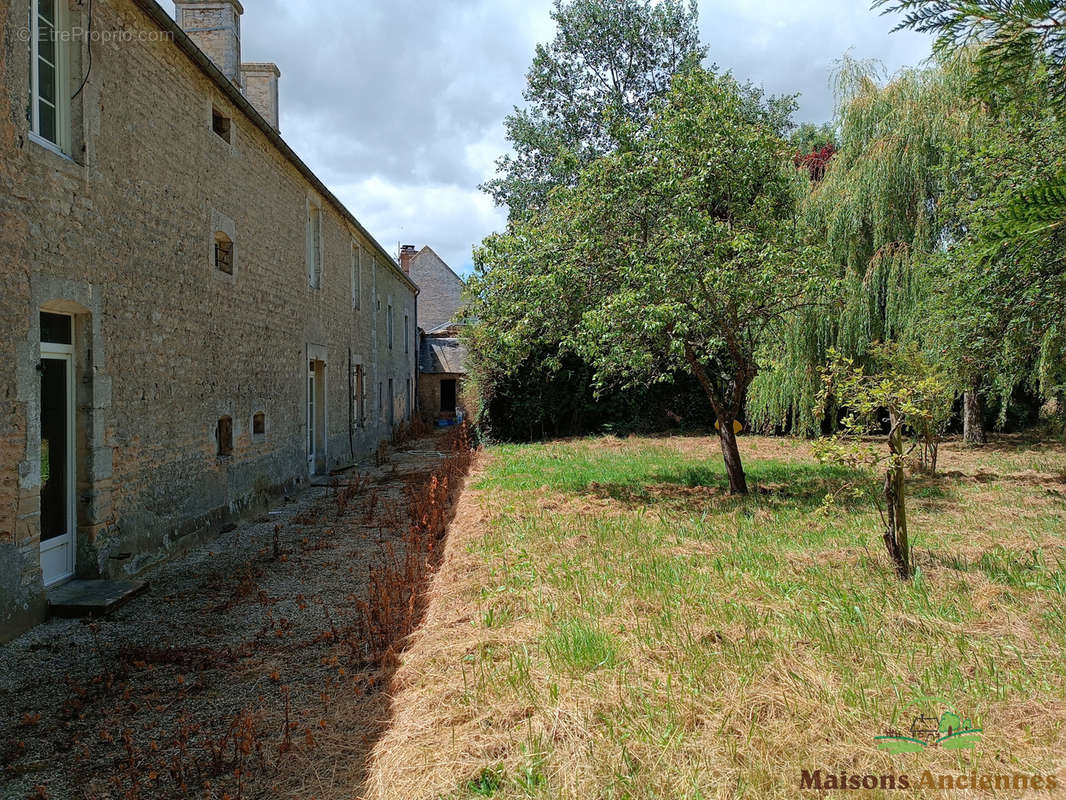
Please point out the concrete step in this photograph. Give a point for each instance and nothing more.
(81, 598)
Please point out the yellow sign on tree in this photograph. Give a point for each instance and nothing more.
(737, 427)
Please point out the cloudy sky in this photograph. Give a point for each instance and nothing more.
(398, 105)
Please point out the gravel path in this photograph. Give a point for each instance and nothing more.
(235, 675)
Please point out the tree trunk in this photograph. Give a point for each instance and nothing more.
(973, 422)
(738, 483)
(896, 540)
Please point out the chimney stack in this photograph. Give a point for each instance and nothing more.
(407, 255)
(215, 27)
(261, 88)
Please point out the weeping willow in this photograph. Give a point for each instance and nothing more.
(877, 219)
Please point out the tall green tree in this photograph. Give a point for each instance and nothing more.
(608, 64)
(1006, 270)
(589, 91)
(675, 253)
(911, 213)
(877, 217)
(1014, 43)
(996, 304)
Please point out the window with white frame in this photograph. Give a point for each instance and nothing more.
(49, 109)
(357, 275)
(314, 246)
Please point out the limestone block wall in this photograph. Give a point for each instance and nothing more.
(120, 234)
(441, 295)
(429, 392)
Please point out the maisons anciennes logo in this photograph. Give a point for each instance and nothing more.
(946, 729)
(934, 723)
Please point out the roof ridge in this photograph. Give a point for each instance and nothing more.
(441, 260)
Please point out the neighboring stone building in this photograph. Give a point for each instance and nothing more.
(442, 356)
(189, 320)
(441, 370)
(440, 296)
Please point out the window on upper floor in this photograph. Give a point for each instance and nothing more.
(221, 124)
(224, 437)
(49, 102)
(406, 333)
(388, 325)
(314, 246)
(357, 275)
(223, 253)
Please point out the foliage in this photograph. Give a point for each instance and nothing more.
(910, 213)
(815, 161)
(1015, 39)
(905, 383)
(875, 216)
(908, 394)
(609, 63)
(532, 401)
(675, 254)
(919, 195)
(995, 306)
(1015, 43)
(808, 137)
(590, 92)
(814, 145)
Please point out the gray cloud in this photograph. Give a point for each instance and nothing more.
(398, 106)
(791, 47)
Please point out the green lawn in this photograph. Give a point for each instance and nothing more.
(611, 624)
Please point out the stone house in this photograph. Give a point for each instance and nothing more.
(190, 321)
(442, 355)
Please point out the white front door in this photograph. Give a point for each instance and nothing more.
(58, 520)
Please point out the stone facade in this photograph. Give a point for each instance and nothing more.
(441, 370)
(118, 229)
(442, 357)
(440, 289)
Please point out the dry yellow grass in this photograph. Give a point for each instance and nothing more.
(606, 626)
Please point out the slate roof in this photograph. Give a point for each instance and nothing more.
(442, 355)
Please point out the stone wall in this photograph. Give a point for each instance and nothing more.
(120, 233)
(429, 393)
(441, 290)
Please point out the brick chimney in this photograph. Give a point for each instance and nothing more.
(261, 88)
(215, 27)
(407, 255)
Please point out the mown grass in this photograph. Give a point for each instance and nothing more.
(614, 625)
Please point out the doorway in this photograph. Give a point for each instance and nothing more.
(58, 521)
(447, 396)
(316, 416)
